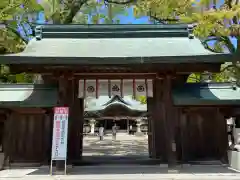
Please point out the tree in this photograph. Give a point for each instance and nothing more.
(82, 12)
(14, 15)
(162, 11)
(219, 25)
(213, 23)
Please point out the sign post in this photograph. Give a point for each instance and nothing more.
(59, 140)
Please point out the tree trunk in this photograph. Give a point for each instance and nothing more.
(74, 8)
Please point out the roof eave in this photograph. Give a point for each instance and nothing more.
(104, 107)
(35, 99)
(207, 103)
(189, 95)
(209, 58)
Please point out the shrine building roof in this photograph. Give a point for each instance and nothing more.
(28, 95)
(117, 101)
(116, 106)
(114, 44)
(206, 94)
(191, 94)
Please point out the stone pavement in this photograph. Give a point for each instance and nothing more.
(125, 145)
(126, 172)
(129, 147)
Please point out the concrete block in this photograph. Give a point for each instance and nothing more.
(234, 159)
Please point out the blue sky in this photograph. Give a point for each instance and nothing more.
(130, 19)
(123, 19)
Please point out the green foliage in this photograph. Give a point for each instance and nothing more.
(211, 21)
(216, 77)
(220, 24)
(10, 9)
(142, 99)
(91, 12)
(162, 9)
(215, 22)
(13, 14)
(194, 78)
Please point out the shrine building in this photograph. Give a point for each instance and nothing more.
(122, 111)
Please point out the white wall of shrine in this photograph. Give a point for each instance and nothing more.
(121, 87)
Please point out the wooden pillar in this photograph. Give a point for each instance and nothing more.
(81, 123)
(48, 131)
(158, 116)
(64, 99)
(63, 91)
(222, 137)
(151, 144)
(165, 120)
(170, 120)
(76, 110)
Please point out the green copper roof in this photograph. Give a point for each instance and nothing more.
(206, 94)
(27, 95)
(116, 101)
(117, 98)
(111, 44)
(195, 94)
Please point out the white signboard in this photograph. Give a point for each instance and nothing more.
(60, 132)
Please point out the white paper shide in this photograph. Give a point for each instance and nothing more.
(113, 87)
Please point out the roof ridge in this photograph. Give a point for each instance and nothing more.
(112, 31)
(114, 99)
(96, 27)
